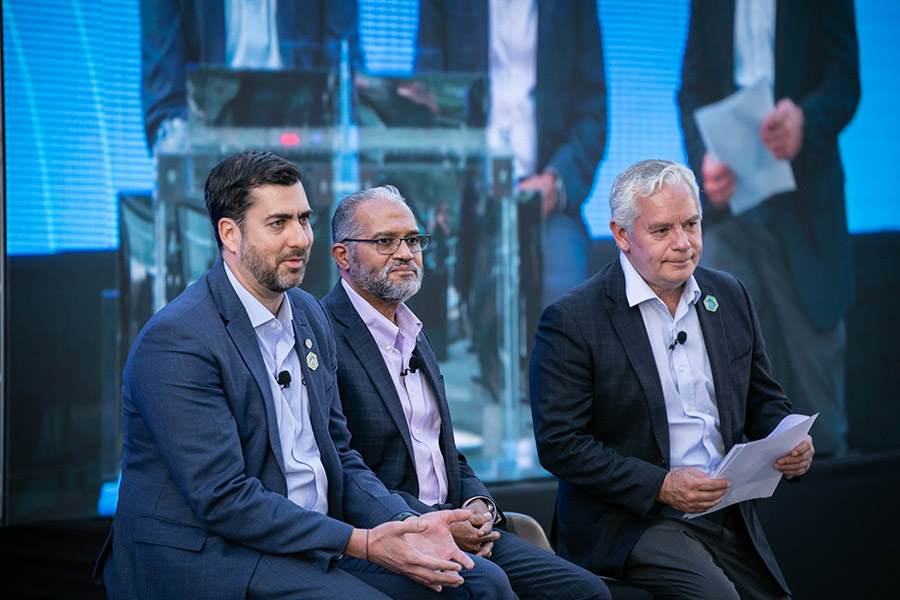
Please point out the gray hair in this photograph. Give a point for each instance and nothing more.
(642, 180)
(343, 224)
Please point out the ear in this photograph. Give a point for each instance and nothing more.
(620, 235)
(341, 255)
(230, 234)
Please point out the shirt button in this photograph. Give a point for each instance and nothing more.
(389, 347)
(681, 368)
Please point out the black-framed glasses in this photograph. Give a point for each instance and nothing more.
(389, 245)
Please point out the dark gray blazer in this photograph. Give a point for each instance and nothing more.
(600, 416)
(203, 490)
(375, 416)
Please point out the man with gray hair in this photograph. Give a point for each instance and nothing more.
(394, 398)
(642, 379)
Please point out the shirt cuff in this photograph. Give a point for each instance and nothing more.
(561, 198)
(490, 504)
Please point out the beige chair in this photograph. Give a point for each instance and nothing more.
(527, 528)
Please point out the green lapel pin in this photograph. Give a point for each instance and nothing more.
(711, 304)
(312, 361)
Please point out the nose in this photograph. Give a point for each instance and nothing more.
(403, 252)
(300, 236)
(682, 240)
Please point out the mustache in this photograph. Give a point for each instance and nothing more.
(293, 256)
(404, 263)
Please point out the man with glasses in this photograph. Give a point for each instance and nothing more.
(393, 393)
(237, 477)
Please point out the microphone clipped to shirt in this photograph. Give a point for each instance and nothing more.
(284, 379)
(681, 338)
(414, 364)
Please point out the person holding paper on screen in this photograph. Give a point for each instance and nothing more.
(793, 244)
(642, 379)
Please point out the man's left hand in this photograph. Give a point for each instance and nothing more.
(782, 130)
(544, 183)
(798, 461)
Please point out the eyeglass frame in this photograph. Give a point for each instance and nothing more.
(421, 238)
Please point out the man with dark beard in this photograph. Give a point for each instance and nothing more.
(394, 399)
(237, 477)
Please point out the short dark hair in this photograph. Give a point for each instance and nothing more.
(228, 187)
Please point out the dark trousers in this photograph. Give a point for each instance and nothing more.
(699, 559)
(283, 577)
(808, 362)
(538, 574)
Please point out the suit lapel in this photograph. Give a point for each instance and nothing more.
(629, 326)
(239, 329)
(318, 405)
(363, 345)
(713, 329)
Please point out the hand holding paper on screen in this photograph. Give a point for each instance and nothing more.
(730, 129)
(749, 467)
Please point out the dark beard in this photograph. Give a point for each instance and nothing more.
(271, 277)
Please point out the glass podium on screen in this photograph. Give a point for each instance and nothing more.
(426, 136)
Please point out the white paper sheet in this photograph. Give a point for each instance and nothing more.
(730, 128)
(749, 466)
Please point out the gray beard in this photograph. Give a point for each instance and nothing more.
(378, 284)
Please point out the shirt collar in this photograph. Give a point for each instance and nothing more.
(637, 290)
(384, 331)
(259, 314)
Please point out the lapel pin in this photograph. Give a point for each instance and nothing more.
(308, 343)
(312, 361)
(711, 304)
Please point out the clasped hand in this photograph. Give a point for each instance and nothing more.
(421, 548)
(476, 536)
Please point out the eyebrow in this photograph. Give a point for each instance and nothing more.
(305, 213)
(669, 224)
(409, 232)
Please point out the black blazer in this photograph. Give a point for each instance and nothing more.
(600, 416)
(816, 66)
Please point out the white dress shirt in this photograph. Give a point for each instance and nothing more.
(419, 405)
(512, 67)
(307, 483)
(754, 42)
(251, 34)
(695, 434)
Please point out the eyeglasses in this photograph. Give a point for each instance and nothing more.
(389, 245)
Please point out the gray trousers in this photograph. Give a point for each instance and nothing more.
(700, 559)
(808, 362)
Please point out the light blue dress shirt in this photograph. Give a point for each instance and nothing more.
(307, 483)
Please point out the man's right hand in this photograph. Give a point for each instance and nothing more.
(420, 548)
(476, 536)
(719, 182)
(691, 490)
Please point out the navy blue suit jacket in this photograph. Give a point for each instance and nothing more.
(570, 92)
(176, 34)
(375, 416)
(816, 66)
(600, 415)
(203, 490)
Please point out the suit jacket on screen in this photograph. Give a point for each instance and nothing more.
(816, 66)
